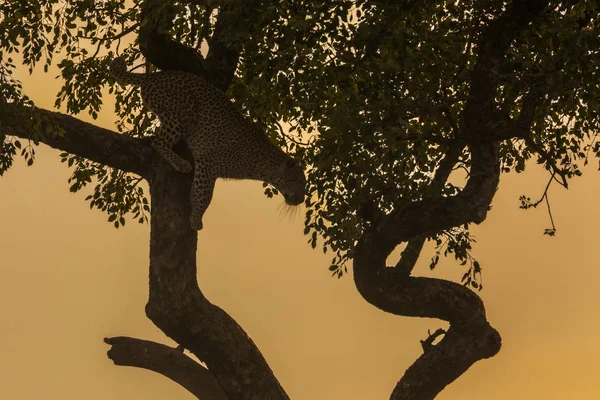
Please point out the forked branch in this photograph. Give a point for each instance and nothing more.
(166, 361)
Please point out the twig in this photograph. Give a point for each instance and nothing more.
(545, 194)
(544, 154)
(291, 139)
(427, 344)
(550, 213)
(587, 153)
(106, 38)
(525, 203)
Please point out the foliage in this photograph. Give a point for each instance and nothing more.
(372, 93)
(386, 84)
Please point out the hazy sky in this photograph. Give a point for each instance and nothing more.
(69, 279)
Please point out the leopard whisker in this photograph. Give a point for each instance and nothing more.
(287, 211)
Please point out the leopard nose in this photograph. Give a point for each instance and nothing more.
(295, 199)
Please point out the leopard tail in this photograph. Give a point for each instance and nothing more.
(118, 69)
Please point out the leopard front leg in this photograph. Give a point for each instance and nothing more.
(163, 144)
(200, 195)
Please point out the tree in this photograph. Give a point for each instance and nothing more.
(401, 94)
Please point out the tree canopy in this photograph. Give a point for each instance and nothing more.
(388, 104)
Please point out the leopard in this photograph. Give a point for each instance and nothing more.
(223, 142)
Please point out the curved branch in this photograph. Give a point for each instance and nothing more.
(426, 297)
(470, 337)
(166, 361)
(87, 140)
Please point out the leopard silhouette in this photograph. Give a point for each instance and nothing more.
(223, 143)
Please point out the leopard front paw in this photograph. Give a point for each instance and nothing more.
(196, 223)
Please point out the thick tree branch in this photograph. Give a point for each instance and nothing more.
(157, 46)
(161, 50)
(89, 141)
(178, 307)
(222, 58)
(166, 361)
(176, 304)
(470, 337)
(481, 117)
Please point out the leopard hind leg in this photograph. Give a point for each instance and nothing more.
(170, 133)
(201, 193)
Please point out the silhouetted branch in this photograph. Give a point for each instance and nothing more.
(223, 57)
(166, 361)
(549, 160)
(470, 337)
(159, 48)
(89, 141)
(427, 344)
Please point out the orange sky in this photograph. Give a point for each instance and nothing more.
(69, 279)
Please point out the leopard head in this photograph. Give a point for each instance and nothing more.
(291, 182)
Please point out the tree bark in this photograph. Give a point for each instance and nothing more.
(167, 361)
(177, 306)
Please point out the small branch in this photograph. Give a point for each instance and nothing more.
(550, 214)
(452, 121)
(111, 38)
(429, 138)
(168, 362)
(427, 344)
(137, 181)
(525, 203)
(545, 194)
(549, 161)
(587, 153)
(285, 135)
